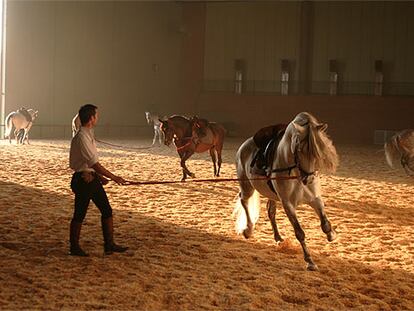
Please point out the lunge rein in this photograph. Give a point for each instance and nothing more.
(213, 180)
(119, 146)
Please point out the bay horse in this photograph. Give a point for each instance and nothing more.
(153, 119)
(401, 148)
(22, 121)
(194, 136)
(304, 149)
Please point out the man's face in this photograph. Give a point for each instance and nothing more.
(94, 119)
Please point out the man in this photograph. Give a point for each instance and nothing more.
(87, 183)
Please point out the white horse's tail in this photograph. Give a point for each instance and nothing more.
(392, 152)
(240, 215)
(8, 125)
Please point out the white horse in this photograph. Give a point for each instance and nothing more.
(22, 120)
(303, 150)
(76, 125)
(154, 120)
(401, 148)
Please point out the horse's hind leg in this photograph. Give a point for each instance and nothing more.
(319, 208)
(271, 212)
(219, 161)
(299, 233)
(246, 192)
(16, 136)
(214, 159)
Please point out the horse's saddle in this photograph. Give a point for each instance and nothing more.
(206, 137)
(201, 131)
(267, 139)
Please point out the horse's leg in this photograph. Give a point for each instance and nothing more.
(155, 137)
(219, 148)
(319, 208)
(271, 212)
(27, 137)
(214, 159)
(184, 157)
(160, 136)
(16, 136)
(299, 233)
(246, 191)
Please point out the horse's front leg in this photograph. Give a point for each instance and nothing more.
(290, 210)
(184, 157)
(319, 208)
(160, 136)
(155, 137)
(214, 159)
(271, 212)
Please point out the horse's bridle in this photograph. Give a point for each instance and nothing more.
(303, 173)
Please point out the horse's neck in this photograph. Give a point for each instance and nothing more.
(284, 156)
(183, 131)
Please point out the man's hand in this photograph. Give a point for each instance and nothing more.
(103, 179)
(119, 180)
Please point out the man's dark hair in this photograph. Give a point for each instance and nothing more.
(86, 112)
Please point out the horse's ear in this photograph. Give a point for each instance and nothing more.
(322, 127)
(301, 129)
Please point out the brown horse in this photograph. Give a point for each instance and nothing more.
(194, 135)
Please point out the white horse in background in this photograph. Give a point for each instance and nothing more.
(154, 120)
(22, 121)
(303, 150)
(76, 125)
(401, 148)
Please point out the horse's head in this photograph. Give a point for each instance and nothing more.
(33, 113)
(311, 146)
(168, 131)
(148, 117)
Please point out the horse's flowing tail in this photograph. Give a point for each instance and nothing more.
(8, 125)
(240, 214)
(392, 152)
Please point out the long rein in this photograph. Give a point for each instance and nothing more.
(212, 180)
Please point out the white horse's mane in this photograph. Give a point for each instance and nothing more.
(316, 143)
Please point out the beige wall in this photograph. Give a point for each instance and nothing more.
(61, 55)
(261, 33)
(357, 34)
(353, 33)
(351, 119)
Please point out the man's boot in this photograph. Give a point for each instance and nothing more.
(75, 229)
(108, 234)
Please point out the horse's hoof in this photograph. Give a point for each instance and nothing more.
(247, 233)
(278, 238)
(312, 267)
(192, 175)
(331, 235)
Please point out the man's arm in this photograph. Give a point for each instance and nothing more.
(103, 171)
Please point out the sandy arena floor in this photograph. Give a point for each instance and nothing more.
(184, 253)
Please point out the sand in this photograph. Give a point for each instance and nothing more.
(184, 253)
